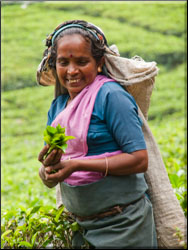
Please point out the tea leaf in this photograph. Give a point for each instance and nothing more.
(47, 139)
(33, 239)
(25, 243)
(60, 129)
(56, 138)
(35, 209)
(50, 130)
(64, 147)
(59, 213)
(75, 226)
(6, 233)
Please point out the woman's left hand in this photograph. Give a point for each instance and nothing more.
(52, 159)
(64, 170)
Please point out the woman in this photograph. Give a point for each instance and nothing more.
(101, 175)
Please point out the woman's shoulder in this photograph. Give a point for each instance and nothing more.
(57, 105)
(113, 88)
(59, 101)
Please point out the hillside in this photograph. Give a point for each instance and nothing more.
(154, 31)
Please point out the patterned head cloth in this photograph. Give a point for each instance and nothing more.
(91, 28)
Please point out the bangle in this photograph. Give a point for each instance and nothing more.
(106, 161)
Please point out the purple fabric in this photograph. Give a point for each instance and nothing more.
(76, 119)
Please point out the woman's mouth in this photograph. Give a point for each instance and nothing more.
(73, 80)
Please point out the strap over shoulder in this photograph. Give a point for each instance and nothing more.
(136, 75)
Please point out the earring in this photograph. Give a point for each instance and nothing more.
(99, 69)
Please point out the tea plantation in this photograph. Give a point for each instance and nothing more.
(153, 30)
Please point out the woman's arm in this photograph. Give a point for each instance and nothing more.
(121, 164)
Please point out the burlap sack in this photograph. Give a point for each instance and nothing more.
(168, 213)
(136, 75)
(138, 78)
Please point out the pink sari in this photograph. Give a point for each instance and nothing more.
(76, 119)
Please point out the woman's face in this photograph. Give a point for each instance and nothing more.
(75, 66)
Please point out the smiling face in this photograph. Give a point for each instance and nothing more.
(75, 66)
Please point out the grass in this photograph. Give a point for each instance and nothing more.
(23, 41)
(169, 94)
(22, 139)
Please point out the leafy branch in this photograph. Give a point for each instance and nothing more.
(56, 138)
(39, 227)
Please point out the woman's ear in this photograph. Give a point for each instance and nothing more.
(101, 62)
(100, 65)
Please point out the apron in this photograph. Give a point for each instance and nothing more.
(134, 227)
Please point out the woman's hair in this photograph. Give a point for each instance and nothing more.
(97, 47)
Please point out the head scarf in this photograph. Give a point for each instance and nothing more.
(45, 73)
(136, 75)
(89, 27)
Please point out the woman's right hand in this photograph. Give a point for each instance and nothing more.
(52, 159)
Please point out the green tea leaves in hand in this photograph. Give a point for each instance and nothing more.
(56, 138)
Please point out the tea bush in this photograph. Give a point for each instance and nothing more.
(38, 227)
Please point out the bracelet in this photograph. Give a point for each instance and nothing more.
(106, 161)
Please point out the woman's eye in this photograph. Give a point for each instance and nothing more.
(63, 63)
(82, 62)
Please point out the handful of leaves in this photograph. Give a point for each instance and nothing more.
(56, 138)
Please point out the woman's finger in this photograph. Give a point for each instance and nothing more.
(58, 155)
(54, 158)
(50, 158)
(54, 177)
(43, 152)
(50, 169)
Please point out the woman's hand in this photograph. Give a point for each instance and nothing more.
(52, 159)
(42, 175)
(64, 169)
(121, 164)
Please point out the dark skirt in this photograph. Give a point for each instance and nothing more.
(133, 228)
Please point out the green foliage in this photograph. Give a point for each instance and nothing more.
(182, 242)
(24, 116)
(154, 31)
(38, 227)
(170, 136)
(56, 138)
(169, 94)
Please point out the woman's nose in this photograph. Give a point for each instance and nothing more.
(72, 69)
